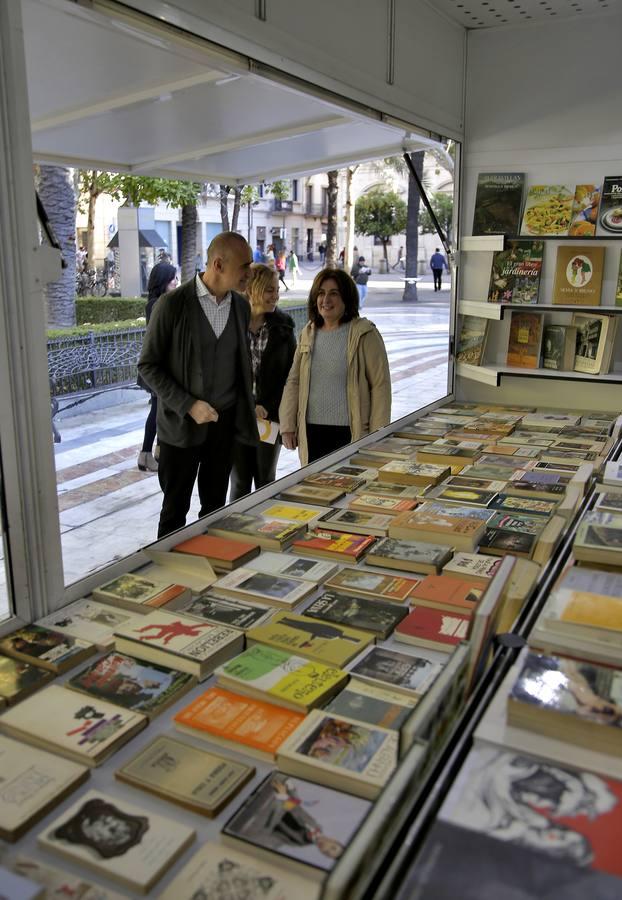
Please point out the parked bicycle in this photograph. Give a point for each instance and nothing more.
(91, 283)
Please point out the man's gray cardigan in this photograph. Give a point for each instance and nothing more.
(170, 364)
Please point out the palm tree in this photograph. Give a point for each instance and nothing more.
(331, 226)
(57, 192)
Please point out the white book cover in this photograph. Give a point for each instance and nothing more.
(59, 884)
(89, 620)
(179, 635)
(191, 571)
(272, 589)
(117, 839)
(291, 566)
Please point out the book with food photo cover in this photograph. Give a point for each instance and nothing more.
(33, 783)
(610, 209)
(531, 506)
(127, 682)
(19, 679)
(436, 629)
(198, 780)
(374, 585)
(448, 592)
(516, 271)
(270, 534)
(472, 340)
(568, 699)
(181, 642)
(559, 345)
(340, 752)
(72, 725)
(525, 340)
(584, 210)
(291, 512)
(472, 567)
(498, 202)
(140, 595)
(290, 566)
(337, 545)
(118, 840)
(372, 502)
(273, 590)
(404, 472)
(223, 554)
(578, 275)
(517, 798)
(548, 210)
(499, 542)
(57, 883)
(410, 556)
(87, 620)
(352, 520)
(51, 650)
(281, 677)
(462, 495)
(238, 722)
(400, 671)
(376, 616)
(326, 642)
(372, 703)
(346, 483)
(221, 873)
(295, 823)
(592, 332)
(220, 611)
(311, 493)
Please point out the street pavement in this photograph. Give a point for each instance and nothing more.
(109, 509)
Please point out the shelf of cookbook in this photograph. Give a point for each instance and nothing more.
(496, 311)
(492, 375)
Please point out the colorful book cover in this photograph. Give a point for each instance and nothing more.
(367, 702)
(516, 522)
(44, 647)
(433, 626)
(525, 340)
(372, 584)
(472, 340)
(244, 721)
(326, 642)
(128, 682)
(578, 275)
(401, 671)
(268, 532)
(374, 503)
(498, 202)
(178, 635)
(136, 593)
(338, 544)
(377, 616)
(346, 483)
(610, 211)
(18, 679)
(516, 271)
(584, 210)
(447, 589)
(548, 210)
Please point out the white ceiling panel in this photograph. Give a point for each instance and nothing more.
(495, 13)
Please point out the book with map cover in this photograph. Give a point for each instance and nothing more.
(516, 271)
(498, 202)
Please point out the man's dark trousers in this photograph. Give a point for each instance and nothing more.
(437, 278)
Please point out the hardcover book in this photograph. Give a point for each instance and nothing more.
(290, 566)
(140, 595)
(447, 592)
(592, 334)
(409, 556)
(334, 545)
(270, 534)
(180, 641)
(578, 275)
(221, 873)
(340, 752)
(359, 522)
(498, 202)
(371, 703)
(373, 585)
(87, 620)
(516, 271)
(142, 687)
(401, 671)
(548, 210)
(199, 781)
(19, 679)
(57, 883)
(33, 783)
(323, 641)
(525, 340)
(278, 676)
(67, 723)
(226, 612)
(222, 553)
(584, 210)
(296, 823)
(238, 722)
(117, 839)
(433, 628)
(559, 345)
(51, 650)
(610, 210)
(472, 340)
(376, 616)
(274, 590)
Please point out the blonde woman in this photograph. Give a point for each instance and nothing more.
(272, 345)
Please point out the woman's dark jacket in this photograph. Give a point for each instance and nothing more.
(276, 361)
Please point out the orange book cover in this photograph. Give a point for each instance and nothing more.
(241, 720)
(216, 547)
(447, 589)
(165, 596)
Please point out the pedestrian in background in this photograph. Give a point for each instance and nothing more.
(400, 261)
(360, 272)
(272, 344)
(280, 263)
(292, 265)
(437, 263)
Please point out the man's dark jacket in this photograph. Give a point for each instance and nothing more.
(170, 364)
(276, 361)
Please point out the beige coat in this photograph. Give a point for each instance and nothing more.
(368, 387)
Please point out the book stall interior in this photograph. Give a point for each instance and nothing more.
(395, 673)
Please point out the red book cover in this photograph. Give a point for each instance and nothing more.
(351, 545)
(447, 590)
(435, 625)
(216, 547)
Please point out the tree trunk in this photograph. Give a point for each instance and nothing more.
(331, 227)
(223, 196)
(412, 228)
(90, 224)
(385, 250)
(189, 218)
(237, 195)
(348, 259)
(57, 194)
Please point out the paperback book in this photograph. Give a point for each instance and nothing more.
(345, 483)
(19, 679)
(372, 585)
(516, 272)
(198, 780)
(350, 520)
(57, 883)
(525, 340)
(420, 473)
(336, 545)
(409, 556)
(378, 503)
(51, 650)
(436, 629)
(401, 671)
(548, 210)
(376, 616)
(87, 620)
(297, 513)
(472, 567)
(222, 553)
(226, 612)
(500, 542)
(578, 275)
(559, 346)
(599, 538)
(592, 341)
(140, 595)
(325, 642)
(290, 566)
(442, 523)
(312, 493)
(462, 495)
(270, 534)
(447, 592)
(498, 202)
(274, 590)
(371, 703)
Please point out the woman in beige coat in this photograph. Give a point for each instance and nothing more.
(339, 386)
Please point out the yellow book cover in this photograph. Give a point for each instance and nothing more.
(324, 641)
(300, 514)
(596, 610)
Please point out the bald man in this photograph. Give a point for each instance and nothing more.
(195, 357)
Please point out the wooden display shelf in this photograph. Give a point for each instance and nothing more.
(496, 311)
(493, 374)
